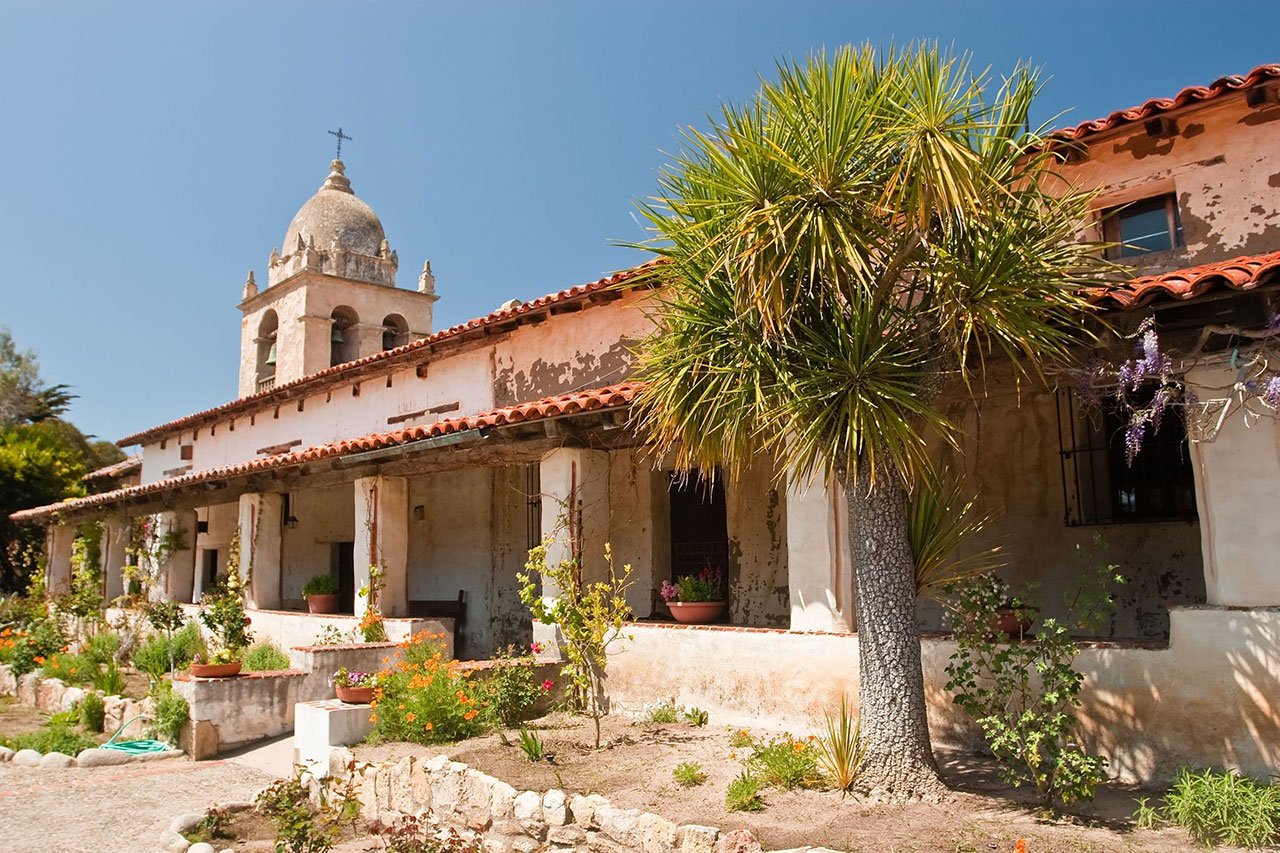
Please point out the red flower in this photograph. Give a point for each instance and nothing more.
(548, 684)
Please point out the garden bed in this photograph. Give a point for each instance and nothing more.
(634, 770)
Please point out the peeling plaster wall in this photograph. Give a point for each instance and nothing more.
(757, 522)
(640, 525)
(472, 537)
(1224, 166)
(1010, 459)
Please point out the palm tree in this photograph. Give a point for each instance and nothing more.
(868, 229)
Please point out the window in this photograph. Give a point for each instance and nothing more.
(1150, 225)
(1100, 487)
(395, 332)
(266, 342)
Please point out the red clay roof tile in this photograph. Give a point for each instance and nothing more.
(612, 396)
(1248, 272)
(1259, 76)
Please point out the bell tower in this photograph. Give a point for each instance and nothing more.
(331, 297)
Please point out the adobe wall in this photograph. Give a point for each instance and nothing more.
(1010, 457)
(1211, 698)
(1223, 165)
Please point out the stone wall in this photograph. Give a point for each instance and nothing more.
(52, 695)
(1210, 698)
(514, 821)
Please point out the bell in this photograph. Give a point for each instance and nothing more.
(336, 337)
(271, 354)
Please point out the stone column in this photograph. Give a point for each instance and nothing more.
(177, 567)
(575, 482)
(58, 542)
(819, 571)
(1236, 475)
(368, 338)
(115, 538)
(382, 538)
(259, 521)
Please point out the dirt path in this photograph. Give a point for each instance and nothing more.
(106, 809)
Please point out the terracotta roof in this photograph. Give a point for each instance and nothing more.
(1156, 106)
(125, 466)
(609, 397)
(502, 316)
(1248, 272)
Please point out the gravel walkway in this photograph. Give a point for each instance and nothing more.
(107, 809)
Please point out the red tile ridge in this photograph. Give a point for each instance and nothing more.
(607, 397)
(639, 275)
(1247, 272)
(1192, 94)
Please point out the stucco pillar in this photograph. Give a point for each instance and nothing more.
(177, 567)
(308, 347)
(382, 538)
(640, 525)
(1236, 475)
(259, 521)
(368, 338)
(58, 542)
(819, 570)
(575, 486)
(115, 538)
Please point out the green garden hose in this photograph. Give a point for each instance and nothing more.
(135, 747)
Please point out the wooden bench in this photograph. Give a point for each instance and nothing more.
(446, 608)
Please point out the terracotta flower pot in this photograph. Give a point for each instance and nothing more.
(355, 695)
(216, 670)
(322, 603)
(1007, 622)
(696, 612)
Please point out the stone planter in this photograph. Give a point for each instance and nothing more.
(326, 603)
(216, 670)
(355, 695)
(696, 612)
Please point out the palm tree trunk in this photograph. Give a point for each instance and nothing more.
(899, 762)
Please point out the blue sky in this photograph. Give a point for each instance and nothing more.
(152, 153)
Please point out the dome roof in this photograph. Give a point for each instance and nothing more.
(332, 213)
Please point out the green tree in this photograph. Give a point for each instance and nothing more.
(868, 229)
(42, 457)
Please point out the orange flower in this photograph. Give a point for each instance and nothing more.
(73, 670)
(401, 706)
(469, 715)
(386, 660)
(428, 727)
(373, 718)
(38, 659)
(1021, 846)
(410, 716)
(797, 747)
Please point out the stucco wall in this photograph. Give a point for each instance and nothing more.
(1223, 165)
(325, 516)
(1211, 698)
(1010, 459)
(757, 520)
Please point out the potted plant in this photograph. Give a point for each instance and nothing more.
(321, 593)
(696, 599)
(1010, 615)
(354, 688)
(220, 664)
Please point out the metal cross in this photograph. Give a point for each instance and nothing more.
(341, 136)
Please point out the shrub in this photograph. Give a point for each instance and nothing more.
(689, 774)
(510, 689)
(109, 681)
(72, 669)
(172, 713)
(744, 794)
(1223, 808)
(841, 748)
(1029, 722)
(56, 735)
(299, 826)
(696, 717)
(265, 656)
(532, 747)
(589, 617)
(410, 834)
(425, 699)
(215, 825)
(784, 762)
(41, 640)
(665, 711)
(325, 584)
(92, 712)
(153, 658)
(101, 648)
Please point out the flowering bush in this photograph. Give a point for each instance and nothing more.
(218, 658)
(510, 689)
(223, 614)
(26, 651)
(372, 627)
(346, 678)
(784, 762)
(707, 585)
(425, 699)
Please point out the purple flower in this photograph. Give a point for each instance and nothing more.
(1271, 391)
(669, 592)
(1133, 436)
